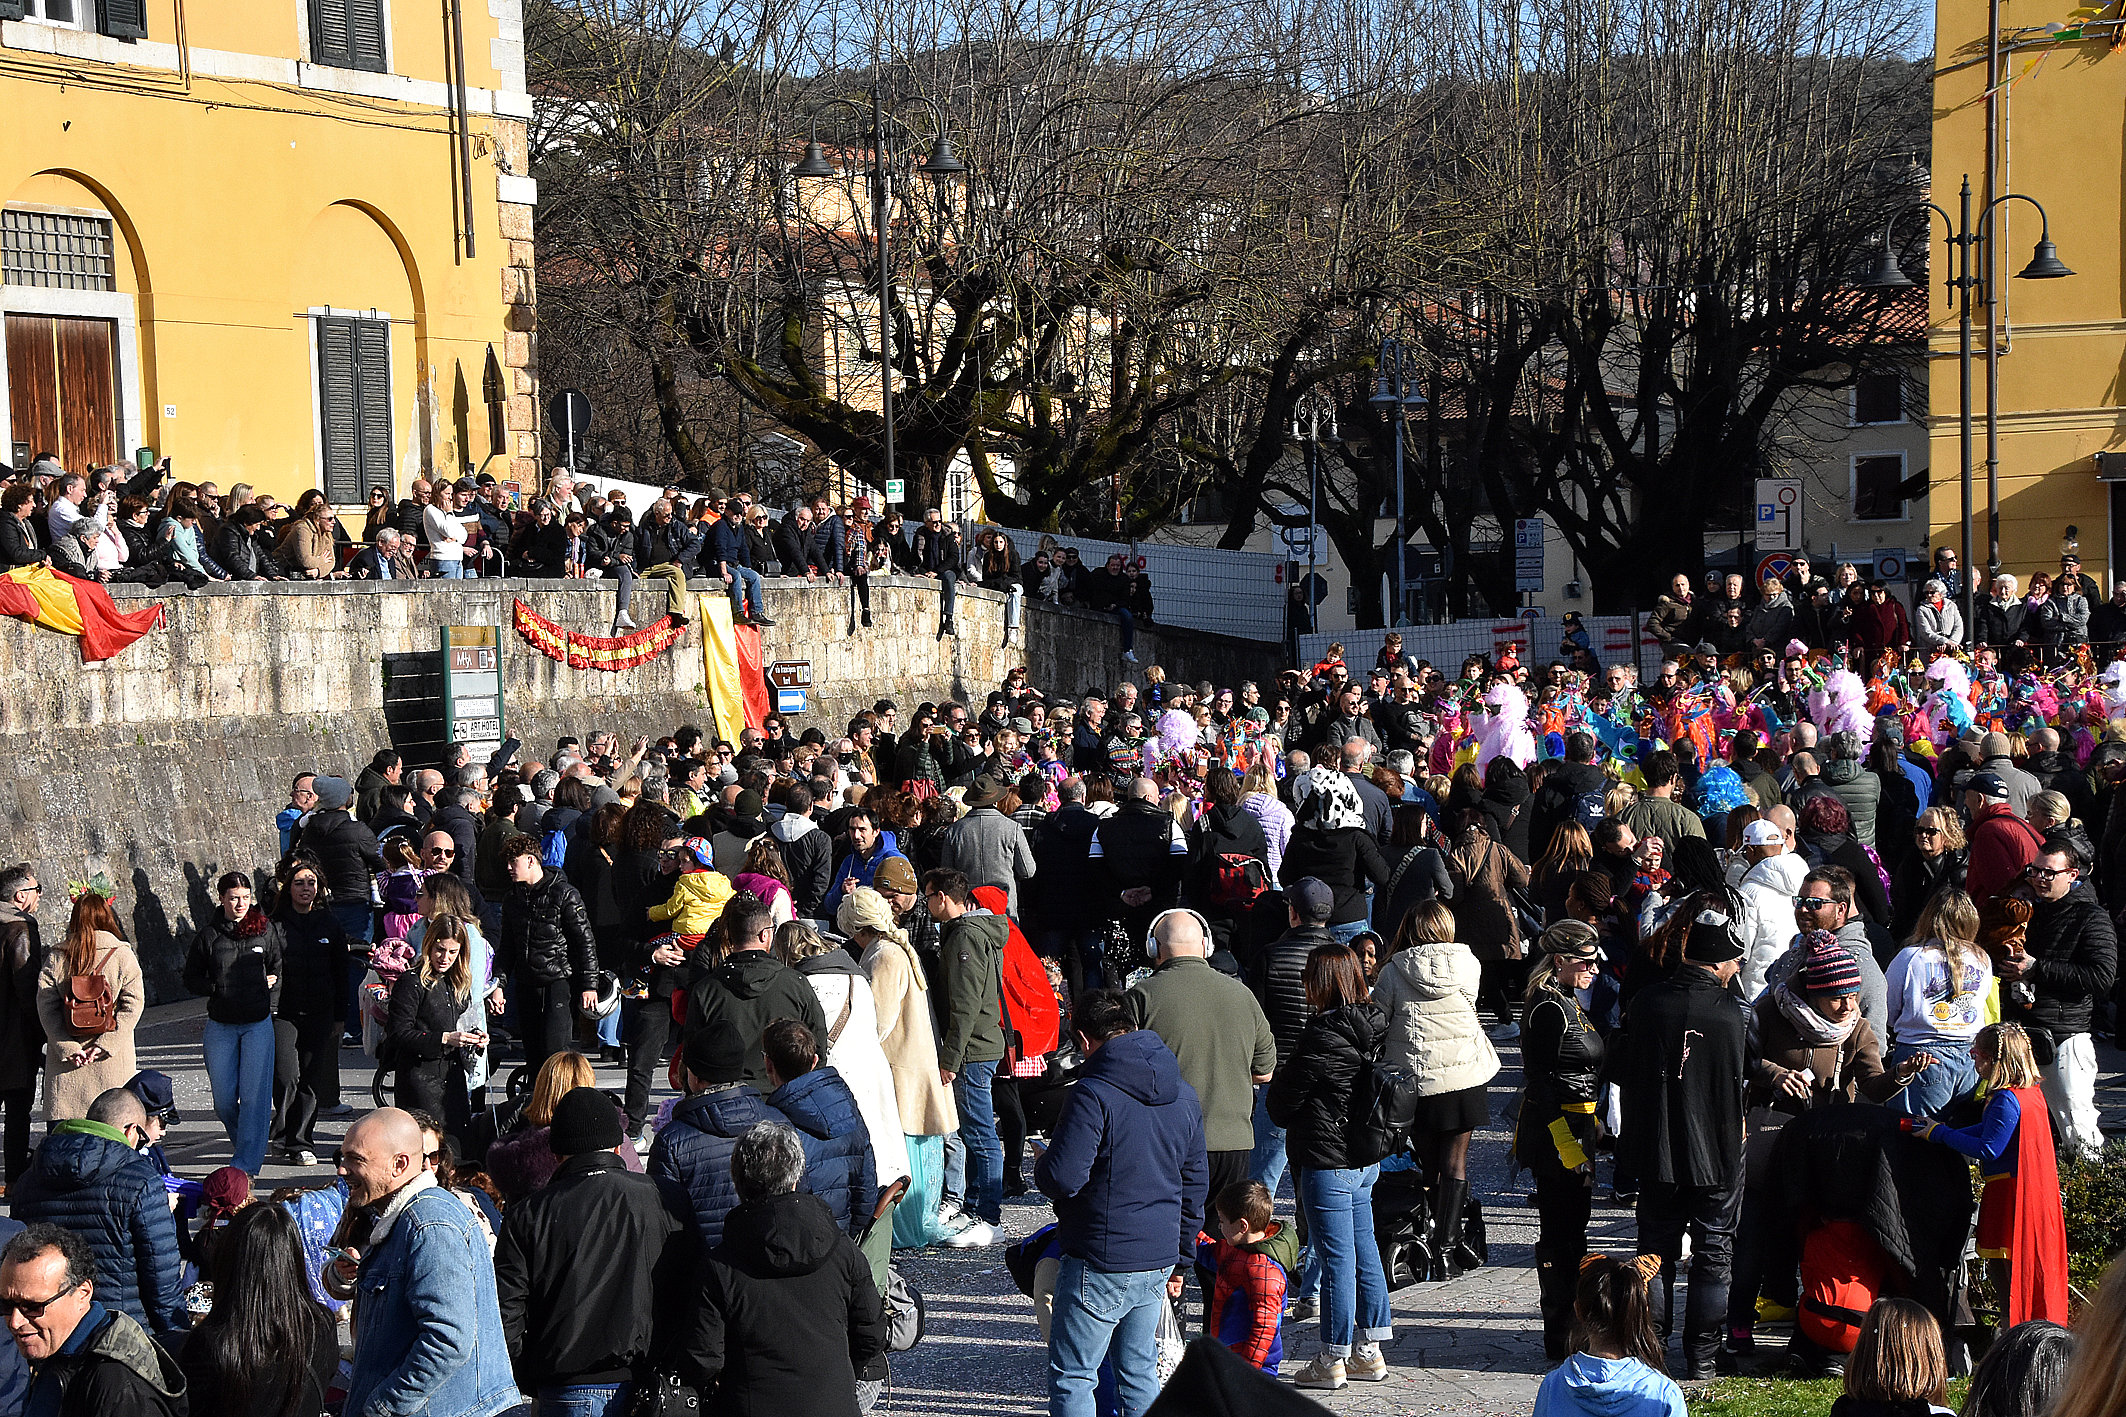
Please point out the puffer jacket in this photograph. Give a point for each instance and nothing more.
(546, 933)
(1914, 883)
(839, 1166)
(692, 1154)
(315, 981)
(86, 1177)
(230, 963)
(1310, 1097)
(1428, 993)
(346, 852)
(1278, 979)
(1860, 790)
(808, 855)
(1767, 919)
(2074, 953)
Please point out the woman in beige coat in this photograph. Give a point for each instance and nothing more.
(80, 1065)
(901, 996)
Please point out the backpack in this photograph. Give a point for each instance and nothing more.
(91, 1006)
(553, 849)
(905, 1312)
(1031, 1017)
(1383, 1109)
(1233, 883)
(1588, 809)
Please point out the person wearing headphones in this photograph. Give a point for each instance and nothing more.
(1217, 1032)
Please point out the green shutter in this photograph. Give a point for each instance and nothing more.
(372, 364)
(11, 9)
(328, 33)
(365, 34)
(122, 19)
(338, 410)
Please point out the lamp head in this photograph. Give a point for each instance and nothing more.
(814, 163)
(2045, 263)
(1885, 274)
(943, 161)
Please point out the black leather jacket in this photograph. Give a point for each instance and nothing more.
(546, 933)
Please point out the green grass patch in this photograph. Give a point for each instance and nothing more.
(1781, 1397)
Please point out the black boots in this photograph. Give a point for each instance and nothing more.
(1450, 1198)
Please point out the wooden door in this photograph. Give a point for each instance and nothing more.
(62, 388)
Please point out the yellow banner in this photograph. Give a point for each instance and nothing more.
(719, 664)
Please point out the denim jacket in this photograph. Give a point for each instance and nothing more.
(429, 1330)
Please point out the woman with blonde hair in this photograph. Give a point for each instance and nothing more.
(902, 1004)
(1938, 986)
(2022, 1233)
(82, 1062)
(1258, 797)
(851, 1045)
(430, 1052)
(524, 1160)
(1428, 991)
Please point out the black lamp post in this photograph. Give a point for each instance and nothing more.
(1396, 389)
(2045, 264)
(942, 163)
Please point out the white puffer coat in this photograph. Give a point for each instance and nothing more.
(1429, 995)
(1767, 921)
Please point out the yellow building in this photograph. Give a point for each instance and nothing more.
(285, 242)
(2056, 138)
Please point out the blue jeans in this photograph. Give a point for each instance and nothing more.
(745, 582)
(1267, 1164)
(1345, 934)
(1354, 1292)
(1952, 1075)
(1096, 1315)
(584, 1401)
(450, 570)
(240, 1068)
(972, 1090)
(1129, 628)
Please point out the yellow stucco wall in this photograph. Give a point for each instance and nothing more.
(2063, 365)
(247, 192)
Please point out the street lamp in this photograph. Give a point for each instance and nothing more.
(941, 163)
(2045, 264)
(1309, 431)
(1396, 388)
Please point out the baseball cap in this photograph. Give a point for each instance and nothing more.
(1312, 898)
(1762, 833)
(1987, 785)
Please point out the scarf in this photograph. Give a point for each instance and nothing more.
(1815, 1030)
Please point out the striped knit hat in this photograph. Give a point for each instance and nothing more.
(1830, 969)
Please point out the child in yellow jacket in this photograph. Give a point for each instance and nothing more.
(700, 895)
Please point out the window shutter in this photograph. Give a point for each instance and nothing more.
(365, 34)
(328, 33)
(372, 362)
(123, 19)
(11, 9)
(337, 410)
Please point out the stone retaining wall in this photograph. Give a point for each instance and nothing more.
(165, 765)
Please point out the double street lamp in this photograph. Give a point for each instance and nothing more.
(1963, 237)
(1395, 393)
(942, 163)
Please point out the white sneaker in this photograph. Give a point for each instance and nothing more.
(1367, 1364)
(1129, 656)
(624, 621)
(1324, 1372)
(974, 1235)
(306, 1157)
(950, 1215)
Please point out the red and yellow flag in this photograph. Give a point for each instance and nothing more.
(80, 608)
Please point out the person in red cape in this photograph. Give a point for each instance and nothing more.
(2022, 1233)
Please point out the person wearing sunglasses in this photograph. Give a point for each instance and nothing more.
(1827, 905)
(2068, 961)
(89, 1173)
(87, 1358)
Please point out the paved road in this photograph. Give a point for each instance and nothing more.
(1470, 1346)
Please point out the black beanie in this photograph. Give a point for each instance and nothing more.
(585, 1120)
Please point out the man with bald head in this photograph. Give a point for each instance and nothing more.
(428, 1328)
(1216, 1030)
(90, 1177)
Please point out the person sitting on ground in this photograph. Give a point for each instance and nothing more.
(1616, 1368)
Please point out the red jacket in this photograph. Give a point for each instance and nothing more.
(2002, 844)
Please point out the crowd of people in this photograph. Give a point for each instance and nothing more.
(116, 524)
(1783, 952)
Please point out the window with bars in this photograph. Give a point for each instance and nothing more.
(354, 405)
(56, 251)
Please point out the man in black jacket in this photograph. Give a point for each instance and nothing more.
(1682, 1086)
(346, 852)
(936, 552)
(1138, 856)
(2058, 772)
(1276, 975)
(2070, 959)
(731, 1005)
(660, 551)
(1571, 792)
(546, 945)
(1088, 746)
(1063, 901)
(590, 1267)
(793, 543)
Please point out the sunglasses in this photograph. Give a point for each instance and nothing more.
(1813, 902)
(442, 851)
(32, 1308)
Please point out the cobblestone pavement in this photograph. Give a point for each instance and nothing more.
(1470, 1346)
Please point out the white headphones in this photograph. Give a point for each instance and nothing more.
(1151, 935)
